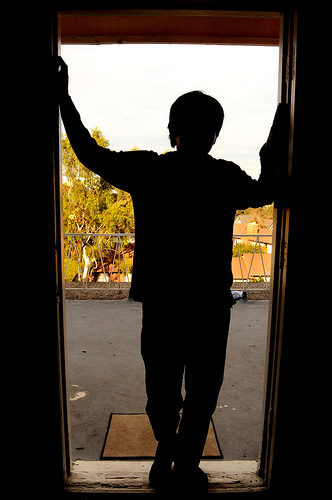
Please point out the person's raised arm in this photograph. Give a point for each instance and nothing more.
(273, 156)
(119, 169)
(62, 79)
(85, 147)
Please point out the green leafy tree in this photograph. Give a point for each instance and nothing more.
(91, 205)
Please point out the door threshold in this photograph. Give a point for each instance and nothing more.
(132, 476)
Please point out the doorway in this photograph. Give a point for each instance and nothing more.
(126, 91)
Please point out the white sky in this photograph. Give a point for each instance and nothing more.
(127, 91)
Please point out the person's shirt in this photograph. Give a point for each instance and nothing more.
(184, 210)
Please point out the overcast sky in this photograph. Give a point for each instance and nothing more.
(127, 91)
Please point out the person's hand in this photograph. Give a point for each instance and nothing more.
(62, 79)
(277, 141)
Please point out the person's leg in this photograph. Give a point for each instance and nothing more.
(205, 362)
(164, 366)
(162, 353)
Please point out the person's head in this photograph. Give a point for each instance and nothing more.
(195, 120)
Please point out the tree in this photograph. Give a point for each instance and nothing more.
(91, 205)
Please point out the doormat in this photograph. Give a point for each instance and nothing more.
(130, 436)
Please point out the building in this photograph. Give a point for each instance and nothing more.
(247, 218)
(250, 233)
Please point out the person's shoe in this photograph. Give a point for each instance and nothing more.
(160, 475)
(190, 480)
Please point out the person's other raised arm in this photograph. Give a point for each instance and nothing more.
(273, 155)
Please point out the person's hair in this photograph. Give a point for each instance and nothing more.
(194, 108)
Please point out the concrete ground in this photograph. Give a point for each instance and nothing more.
(106, 374)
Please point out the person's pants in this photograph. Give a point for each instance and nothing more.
(183, 339)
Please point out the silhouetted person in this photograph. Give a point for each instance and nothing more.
(182, 200)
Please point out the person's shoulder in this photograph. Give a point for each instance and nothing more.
(226, 165)
(168, 155)
(140, 153)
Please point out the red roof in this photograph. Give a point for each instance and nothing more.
(252, 262)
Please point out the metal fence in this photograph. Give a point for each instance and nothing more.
(86, 252)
